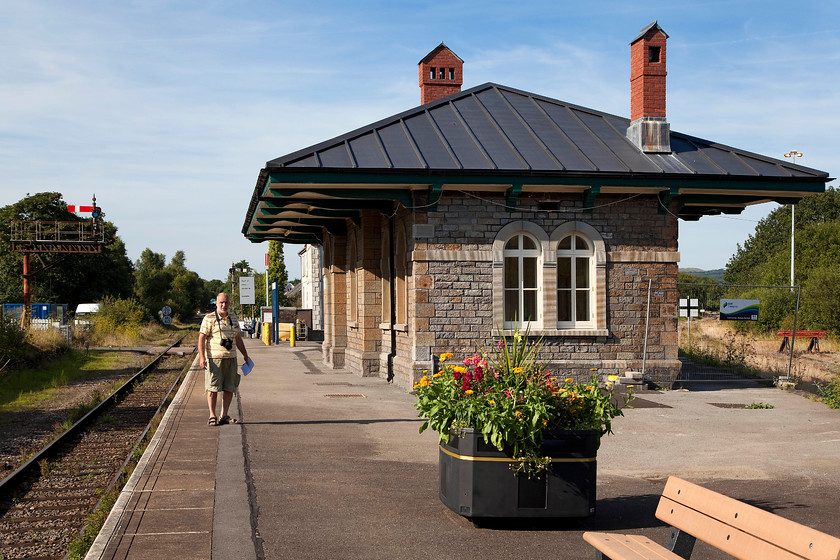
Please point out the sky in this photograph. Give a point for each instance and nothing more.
(167, 111)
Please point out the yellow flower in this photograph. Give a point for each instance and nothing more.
(569, 380)
(517, 370)
(469, 392)
(460, 369)
(518, 413)
(545, 422)
(445, 356)
(492, 402)
(593, 369)
(612, 378)
(424, 381)
(438, 374)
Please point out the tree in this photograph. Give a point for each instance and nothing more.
(764, 260)
(151, 280)
(277, 268)
(68, 278)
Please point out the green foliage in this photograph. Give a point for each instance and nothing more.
(19, 348)
(277, 268)
(511, 400)
(759, 405)
(820, 304)
(830, 392)
(70, 278)
(764, 259)
(158, 284)
(120, 317)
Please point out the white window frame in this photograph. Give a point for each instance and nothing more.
(575, 254)
(597, 321)
(540, 239)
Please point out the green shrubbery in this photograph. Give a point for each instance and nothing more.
(119, 317)
(19, 348)
(830, 392)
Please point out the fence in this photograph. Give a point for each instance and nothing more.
(726, 334)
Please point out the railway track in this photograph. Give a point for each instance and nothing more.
(44, 504)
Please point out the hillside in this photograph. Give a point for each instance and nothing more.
(716, 275)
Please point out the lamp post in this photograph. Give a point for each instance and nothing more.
(793, 154)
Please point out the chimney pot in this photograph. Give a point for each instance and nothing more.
(441, 74)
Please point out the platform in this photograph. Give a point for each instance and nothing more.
(327, 464)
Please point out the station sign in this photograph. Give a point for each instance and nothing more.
(246, 290)
(739, 309)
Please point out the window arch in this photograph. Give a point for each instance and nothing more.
(400, 273)
(575, 286)
(352, 272)
(518, 252)
(580, 289)
(521, 279)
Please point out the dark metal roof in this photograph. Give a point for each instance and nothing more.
(496, 128)
(492, 134)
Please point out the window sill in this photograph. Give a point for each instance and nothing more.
(399, 327)
(578, 333)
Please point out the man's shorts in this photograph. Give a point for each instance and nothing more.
(221, 375)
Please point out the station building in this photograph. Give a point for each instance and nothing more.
(493, 209)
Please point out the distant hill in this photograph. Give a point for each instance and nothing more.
(716, 275)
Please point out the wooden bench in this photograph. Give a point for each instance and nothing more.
(738, 529)
(815, 337)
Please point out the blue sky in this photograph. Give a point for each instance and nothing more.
(168, 110)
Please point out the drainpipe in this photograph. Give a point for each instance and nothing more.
(393, 295)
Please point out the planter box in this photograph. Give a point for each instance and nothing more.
(476, 480)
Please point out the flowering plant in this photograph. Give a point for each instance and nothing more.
(509, 397)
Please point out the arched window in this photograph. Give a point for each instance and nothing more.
(576, 284)
(352, 272)
(400, 273)
(521, 280)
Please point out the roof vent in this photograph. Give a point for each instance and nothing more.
(648, 128)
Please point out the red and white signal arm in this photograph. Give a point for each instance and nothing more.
(74, 208)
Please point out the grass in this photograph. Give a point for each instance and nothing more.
(25, 388)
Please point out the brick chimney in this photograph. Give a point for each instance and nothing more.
(648, 128)
(441, 74)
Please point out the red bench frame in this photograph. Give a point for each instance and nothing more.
(814, 346)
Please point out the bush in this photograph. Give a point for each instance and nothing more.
(20, 348)
(830, 392)
(120, 317)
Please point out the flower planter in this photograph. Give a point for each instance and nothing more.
(476, 480)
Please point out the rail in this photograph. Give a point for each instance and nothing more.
(47, 450)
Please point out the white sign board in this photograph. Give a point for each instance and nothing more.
(246, 290)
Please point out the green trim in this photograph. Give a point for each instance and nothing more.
(435, 193)
(512, 196)
(302, 180)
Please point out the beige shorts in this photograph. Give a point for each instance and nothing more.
(221, 375)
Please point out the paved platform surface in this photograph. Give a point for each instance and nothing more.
(326, 464)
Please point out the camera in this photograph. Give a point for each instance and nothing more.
(227, 343)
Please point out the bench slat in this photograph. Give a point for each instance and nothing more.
(682, 502)
(628, 547)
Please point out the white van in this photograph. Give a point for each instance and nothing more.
(83, 313)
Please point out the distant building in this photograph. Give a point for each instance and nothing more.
(312, 284)
(495, 208)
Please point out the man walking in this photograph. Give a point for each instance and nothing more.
(218, 339)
